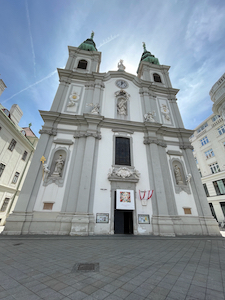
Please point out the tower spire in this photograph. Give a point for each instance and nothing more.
(89, 44)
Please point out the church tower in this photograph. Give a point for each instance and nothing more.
(113, 157)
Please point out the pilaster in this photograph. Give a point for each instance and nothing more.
(60, 96)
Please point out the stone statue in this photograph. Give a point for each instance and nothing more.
(95, 109)
(121, 67)
(45, 168)
(122, 107)
(58, 166)
(178, 176)
(149, 117)
(188, 178)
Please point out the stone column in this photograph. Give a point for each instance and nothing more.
(176, 113)
(71, 59)
(83, 220)
(161, 220)
(60, 96)
(196, 183)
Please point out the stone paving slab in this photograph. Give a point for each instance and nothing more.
(130, 267)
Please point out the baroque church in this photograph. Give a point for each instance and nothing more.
(113, 157)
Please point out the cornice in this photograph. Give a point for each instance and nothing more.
(149, 140)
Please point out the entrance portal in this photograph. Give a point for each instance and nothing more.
(123, 222)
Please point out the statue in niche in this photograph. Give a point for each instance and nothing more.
(122, 107)
(58, 166)
(178, 176)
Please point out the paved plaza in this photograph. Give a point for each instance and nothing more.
(122, 267)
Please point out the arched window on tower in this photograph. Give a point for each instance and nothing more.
(157, 78)
(82, 64)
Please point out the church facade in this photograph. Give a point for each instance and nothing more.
(113, 157)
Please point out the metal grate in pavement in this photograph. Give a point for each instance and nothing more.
(86, 267)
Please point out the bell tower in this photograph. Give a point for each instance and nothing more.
(85, 58)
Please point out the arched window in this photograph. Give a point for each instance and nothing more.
(157, 78)
(82, 64)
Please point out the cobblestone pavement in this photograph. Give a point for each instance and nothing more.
(134, 268)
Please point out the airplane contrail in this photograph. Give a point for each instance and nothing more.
(109, 39)
(31, 38)
(37, 82)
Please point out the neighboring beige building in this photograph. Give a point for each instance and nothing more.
(16, 150)
(208, 141)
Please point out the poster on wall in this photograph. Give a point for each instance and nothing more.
(143, 219)
(125, 199)
(102, 218)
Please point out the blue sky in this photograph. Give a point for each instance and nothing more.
(188, 35)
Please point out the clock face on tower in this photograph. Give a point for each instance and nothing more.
(121, 84)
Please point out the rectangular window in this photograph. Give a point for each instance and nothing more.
(209, 153)
(206, 189)
(219, 186)
(122, 151)
(204, 141)
(2, 167)
(221, 130)
(5, 204)
(24, 155)
(222, 204)
(200, 173)
(214, 168)
(202, 127)
(12, 145)
(215, 118)
(212, 210)
(196, 160)
(15, 178)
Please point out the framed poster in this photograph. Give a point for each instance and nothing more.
(143, 219)
(125, 199)
(102, 218)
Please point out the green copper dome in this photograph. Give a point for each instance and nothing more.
(147, 56)
(89, 44)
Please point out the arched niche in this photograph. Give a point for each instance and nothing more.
(179, 176)
(57, 166)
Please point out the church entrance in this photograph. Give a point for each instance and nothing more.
(123, 220)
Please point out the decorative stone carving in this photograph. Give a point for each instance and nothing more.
(149, 117)
(121, 67)
(123, 94)
(165, 111)
(178, 175)
(95, 109)
(58, 166)
(148, 140)
(45, 168)
(123, 172)
(183, 146)
(46, 131)
(96, 135)
(180, 180)
(73, 99)
(188, 178)
(122, 107)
